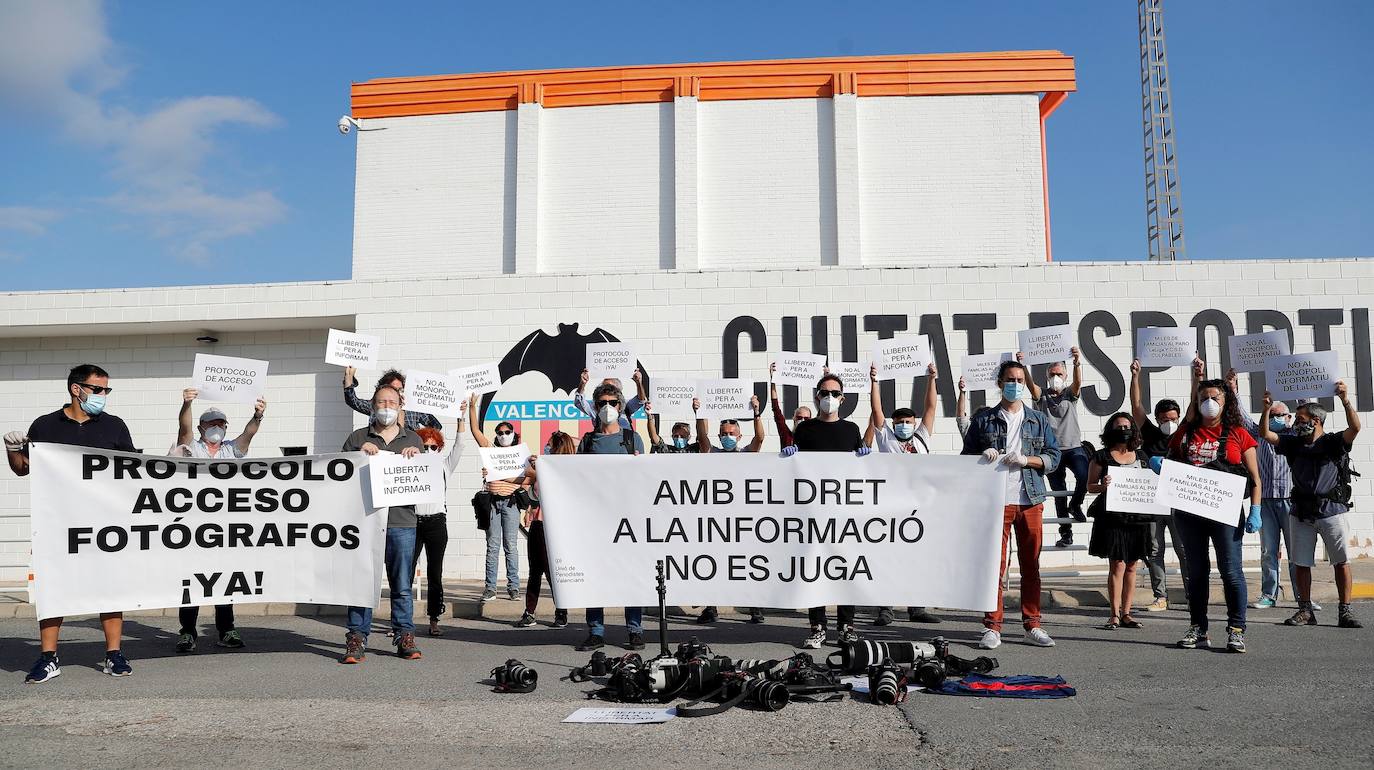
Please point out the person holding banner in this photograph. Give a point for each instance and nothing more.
(1121, 538)
(799, 415)
(1320, 462)
(385, 433)
(82, 421)
(211, 446)
(1059, 403)
(389, 379)
(536, 546)
(1214, 437)
(681, 436)
(1154, 438)
(431, 522)
(1022, 440)
(503, 531)
(903, 434)
(729, 442)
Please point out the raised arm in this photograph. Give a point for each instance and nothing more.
(703, 440)
(1030, 381)
(250, 429)
(1077, 384)
(961, 420)
(759, 431)
(1232, 380)
(1199, 369)
(779, 419)
(932, 398)
(1352, 417)
(580, 398)
(1263, 432)
(472, 422)
(455, 448)
(350, 385)
(652, 422)
(1138, 411)
(185, 430)
(875, 399)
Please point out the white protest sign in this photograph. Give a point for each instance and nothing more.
(592, 715)
(1165, 346)
(397, 480)
(672, 398)
(352, 349)
(1303, 375)
(853, 375)
(1133, 491)
(1250, 352)
(800, 369)
(725, 399)
(1210, 494)
(758, 530)
(1045, 345)
(504, 462)
(478, 380)
(432, 393)
(116, 531)
(613, 360)
(903, 356)
(224, 378)
(980, 371)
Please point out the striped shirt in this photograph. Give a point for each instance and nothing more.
(1276, 480)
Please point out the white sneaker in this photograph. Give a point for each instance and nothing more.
(815, 640)
(991, 640)
(1037, 637)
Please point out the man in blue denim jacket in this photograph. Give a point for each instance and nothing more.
(1026, 463)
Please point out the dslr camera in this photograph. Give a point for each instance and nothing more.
(514, 676)
(886, 683)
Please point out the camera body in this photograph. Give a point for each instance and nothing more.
(514, 676)
(886, 683)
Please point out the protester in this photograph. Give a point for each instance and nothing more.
(903, 434)
(730, 437)
(211, 445)
(392, 379)
(1121, 538)
(1059, 403)
(1026, 460)
(800, 414)
(536, 545)
(386, 433)
(961, 420)
(1154, 437)
(1320, 462)
(826, 432)
(431, 520)
(611, 439)
(680, 437)
(503, 531)
(1275, 506)
(82, 421)
(626, 415)
(1213, 436)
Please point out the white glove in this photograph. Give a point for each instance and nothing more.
(15, 441)
(990, 455)
(1014, 460)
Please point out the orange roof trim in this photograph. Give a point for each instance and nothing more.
(1006, 72)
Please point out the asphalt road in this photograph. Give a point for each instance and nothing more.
(1301, 697)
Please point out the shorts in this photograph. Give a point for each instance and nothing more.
(1302, 541)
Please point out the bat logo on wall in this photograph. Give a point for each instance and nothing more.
(560, 357)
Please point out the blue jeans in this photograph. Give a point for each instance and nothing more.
(1072, 460)
(400, 575)
(1197, 533)
(596, 620)
(504, 530)
(1274, 517)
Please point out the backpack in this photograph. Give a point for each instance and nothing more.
(627, 440)
(1342, 493)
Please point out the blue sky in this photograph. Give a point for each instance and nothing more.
(158, 143)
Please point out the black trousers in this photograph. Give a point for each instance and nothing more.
(844, 615)
(224, 619)
(537, 556)
(431, 538)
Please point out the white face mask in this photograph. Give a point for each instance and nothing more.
(505, 439)
(1168, 427)
(608, 414)
(1209, 408)
(385, 417)
(1056, 383)
(214, 435)
(828, 404)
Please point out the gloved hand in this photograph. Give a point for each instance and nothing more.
(788, 451)
(1156, 464)
(863, 451)
(990, 455)
(1253, 521)
(15, 440)
(1014, 459)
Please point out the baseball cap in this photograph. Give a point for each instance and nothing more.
(213, 414)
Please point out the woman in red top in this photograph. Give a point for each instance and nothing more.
(1214, 437)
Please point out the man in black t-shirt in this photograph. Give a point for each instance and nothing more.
(826, 432)
(81, 422)
(1154, 438)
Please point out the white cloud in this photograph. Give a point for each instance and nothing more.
(58, 63)
(30, 220)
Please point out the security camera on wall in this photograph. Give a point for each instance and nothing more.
(346, 124)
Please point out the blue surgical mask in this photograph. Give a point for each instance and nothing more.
(93, 404)
(1277, 424)
(728, 442)
(904, 430)
(1013, 391)
(679, 442)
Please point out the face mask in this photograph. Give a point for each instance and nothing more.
(214, 435)
(1304, 428)
(1013, 391)
(1168, 427)
(385, 417)
(608, 414)
(828, 404)
(904, 430)
(1119, 435)
(1277, 424)
(1209, 409)
(505, 439)
(679, 442)
(94, 404)
(728, 442)
(1056, 383)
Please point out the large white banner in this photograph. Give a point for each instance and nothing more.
(116, 531)
(767, 531)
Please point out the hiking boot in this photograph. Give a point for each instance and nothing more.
(434, 629)
(815, 640)
(636, 642)
(186, 643)
(1303, 617)
(884, 617)
(231, 639)
(355, 649)
(560, 618)
(405, 647)
(526, 620)
(921, 615)
(1235, 639)
(1348, 619)
(592, 642)
(708, 615)
(46, 668)
(488, 595)
(1194, 639)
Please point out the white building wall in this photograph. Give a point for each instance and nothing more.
(952, 179)
(438, 191)
(606, 187)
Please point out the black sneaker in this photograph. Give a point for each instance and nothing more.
(231, 639)
(1347, 619)
(186, 643)
(884, 617)
(708, 615)
(921, 615)
(46, 668)
(848, 635)
(592, 642)
(1077, 513)
(526, 620)
(512, 593)
(636, 642)
(1303, 617)
(488, 595)
(116, 664)
(1194, 639)
(1064, 542)
(560, 618)
(755, 615)
(1235, 639)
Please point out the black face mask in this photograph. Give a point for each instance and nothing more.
(1120, 435)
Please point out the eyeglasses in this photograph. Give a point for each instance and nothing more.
(432, 447)
(99, 390)
(835, 393)
(505, 432)
(609, 402)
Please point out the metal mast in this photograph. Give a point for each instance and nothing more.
(1163, 199)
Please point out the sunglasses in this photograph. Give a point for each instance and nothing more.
(99, 390)
(835, 393)
(729, 422)
(505, 432)
(432, 447)
(609, 402)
